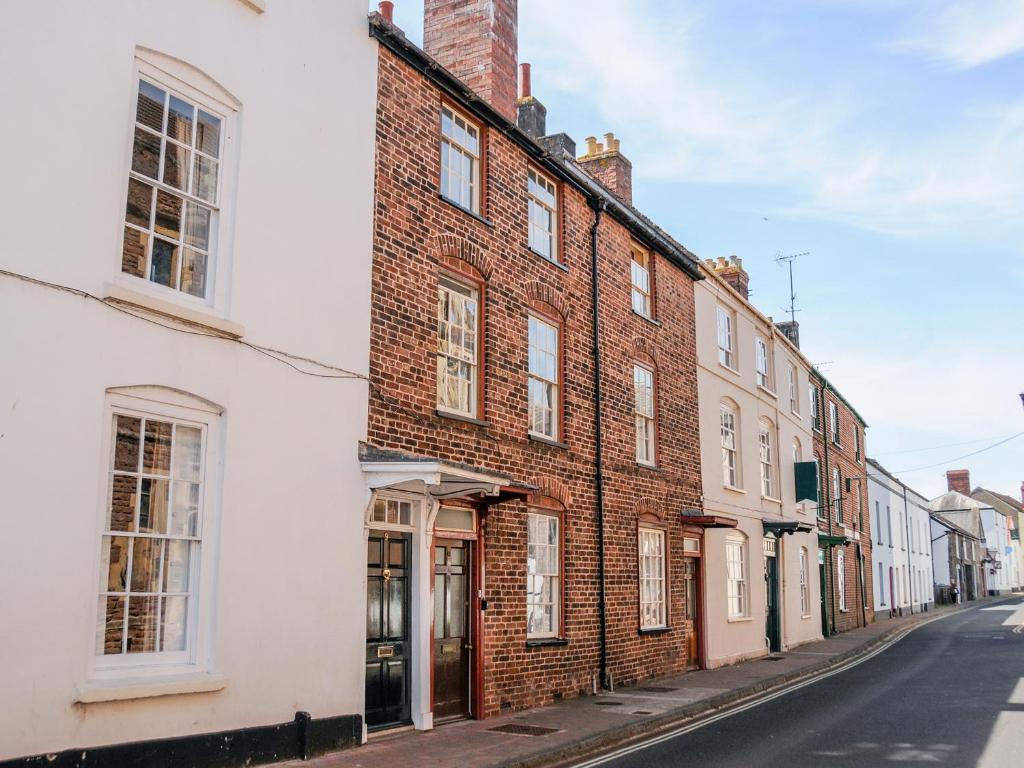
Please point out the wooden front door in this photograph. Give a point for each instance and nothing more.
(452, 640)
(691, 582)
(387, 629)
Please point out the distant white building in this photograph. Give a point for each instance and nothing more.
(1000, 556)
(902, 551)
(185, 304)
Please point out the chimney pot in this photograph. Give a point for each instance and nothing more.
(524, 81)
(386, 8)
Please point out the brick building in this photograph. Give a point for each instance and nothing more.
(844, 525)
(532, 466)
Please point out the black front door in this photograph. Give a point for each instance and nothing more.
(773, 637)
(452, 646)
(824, 593)
(387, 629)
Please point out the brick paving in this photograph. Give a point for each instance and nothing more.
(590, 722)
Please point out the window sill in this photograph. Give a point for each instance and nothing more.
(772, 499)
(466, 211)
(646, 465)
(127, 688)
(547, 441)
(733, 488)
(729, 368)
(806, 616)
(765, 389)
(796, 413)
(461, 417)
(650, 320)
(547, 642)
(654, 631)
(123, 295)
(548, 259)
(739, 619)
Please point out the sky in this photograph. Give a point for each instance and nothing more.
(885, 138)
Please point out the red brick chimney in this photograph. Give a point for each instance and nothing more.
(610, 167)
(959, 480)
(476, 40)
(731, 270)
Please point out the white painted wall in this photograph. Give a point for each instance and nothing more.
(901, 532)
(731, 640)
(284, 589)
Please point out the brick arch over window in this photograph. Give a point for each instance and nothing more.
(642, 349)
(650, 509)
(545, 294)
(552, 489)
(450, 246)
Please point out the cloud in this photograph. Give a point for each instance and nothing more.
(687, 111)
(970, 33)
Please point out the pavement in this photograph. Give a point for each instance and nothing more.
(578, 729)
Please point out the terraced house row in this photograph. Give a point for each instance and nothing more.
(377, 403)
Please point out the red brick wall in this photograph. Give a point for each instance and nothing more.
(414, 234)
(857, 517)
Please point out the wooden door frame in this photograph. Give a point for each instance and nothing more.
(474, 540)
(697, 532)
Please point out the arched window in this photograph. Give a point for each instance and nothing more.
(766, 456)
(729, 417)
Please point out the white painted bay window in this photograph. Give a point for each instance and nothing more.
(542, 195)
(457, 347)
(643, 406)
(460, 160)
(543, 575)
(653, 603)
(543, 394)
(172, 210)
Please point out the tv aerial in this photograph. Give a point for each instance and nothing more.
(780, 259)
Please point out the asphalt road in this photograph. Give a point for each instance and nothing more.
(951, 693)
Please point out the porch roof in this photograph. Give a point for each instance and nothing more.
(780, 527)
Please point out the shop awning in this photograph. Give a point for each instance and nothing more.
(782, 527)
(400, 471)
(825, 540)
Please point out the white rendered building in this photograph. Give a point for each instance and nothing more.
(184, 352)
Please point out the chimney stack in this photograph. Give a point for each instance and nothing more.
(732, 271)
(531, 115)
(959, 480)
(386, 8)
(791, 330)
(609, 166)
(476, 40)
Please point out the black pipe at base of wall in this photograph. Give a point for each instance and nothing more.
(302, 738)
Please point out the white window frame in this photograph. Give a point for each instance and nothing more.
(537, 379)
(726, 325)
(646, 427)
(161, 404)
(805, 597)
(763, 364)
(469, 293)
(653, 583)
(812, 396)
(729, 425)
(766, 459)
(640, 281)
(736, 577)
(833, 421)
(794, 391)
(837, 494)
(554, 576)
(173, 75)
(466, 187)
(542, 240)
(881, 582)
(841, 577)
